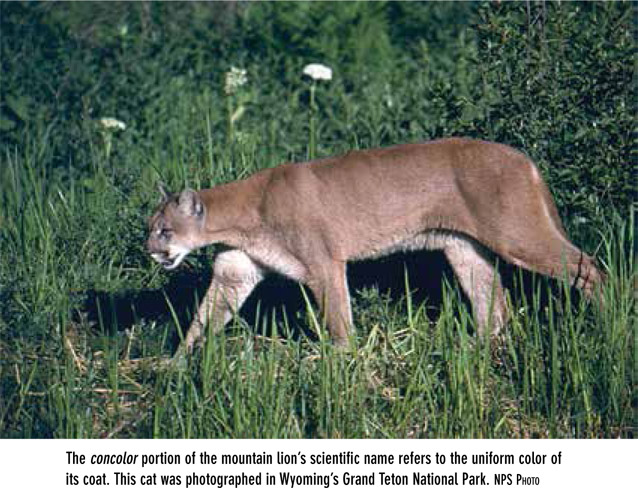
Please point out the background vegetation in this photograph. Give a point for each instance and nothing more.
(85, 316)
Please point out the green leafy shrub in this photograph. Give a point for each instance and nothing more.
(562, 91)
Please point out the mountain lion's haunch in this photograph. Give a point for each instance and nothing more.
(306, 221)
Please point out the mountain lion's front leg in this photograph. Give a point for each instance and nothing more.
(330, 288)
(235, 276)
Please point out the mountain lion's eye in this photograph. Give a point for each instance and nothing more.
(163, 233)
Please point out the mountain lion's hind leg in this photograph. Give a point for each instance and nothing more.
(235, 276)
(480, 281)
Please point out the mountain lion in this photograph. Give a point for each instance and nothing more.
(306, 221)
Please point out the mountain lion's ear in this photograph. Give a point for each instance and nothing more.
(163, 191)
(190, 203)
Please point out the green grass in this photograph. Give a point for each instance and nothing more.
(87, 320)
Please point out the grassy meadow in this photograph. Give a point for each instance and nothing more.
(87, 319)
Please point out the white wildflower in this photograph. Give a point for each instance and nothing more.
(318, 72)
(235, 78)
(110, 123)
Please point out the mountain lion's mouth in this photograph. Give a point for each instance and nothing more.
(169, 262)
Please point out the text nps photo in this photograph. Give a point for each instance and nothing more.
(317, 244)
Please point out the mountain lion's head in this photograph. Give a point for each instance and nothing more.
(175, 227)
